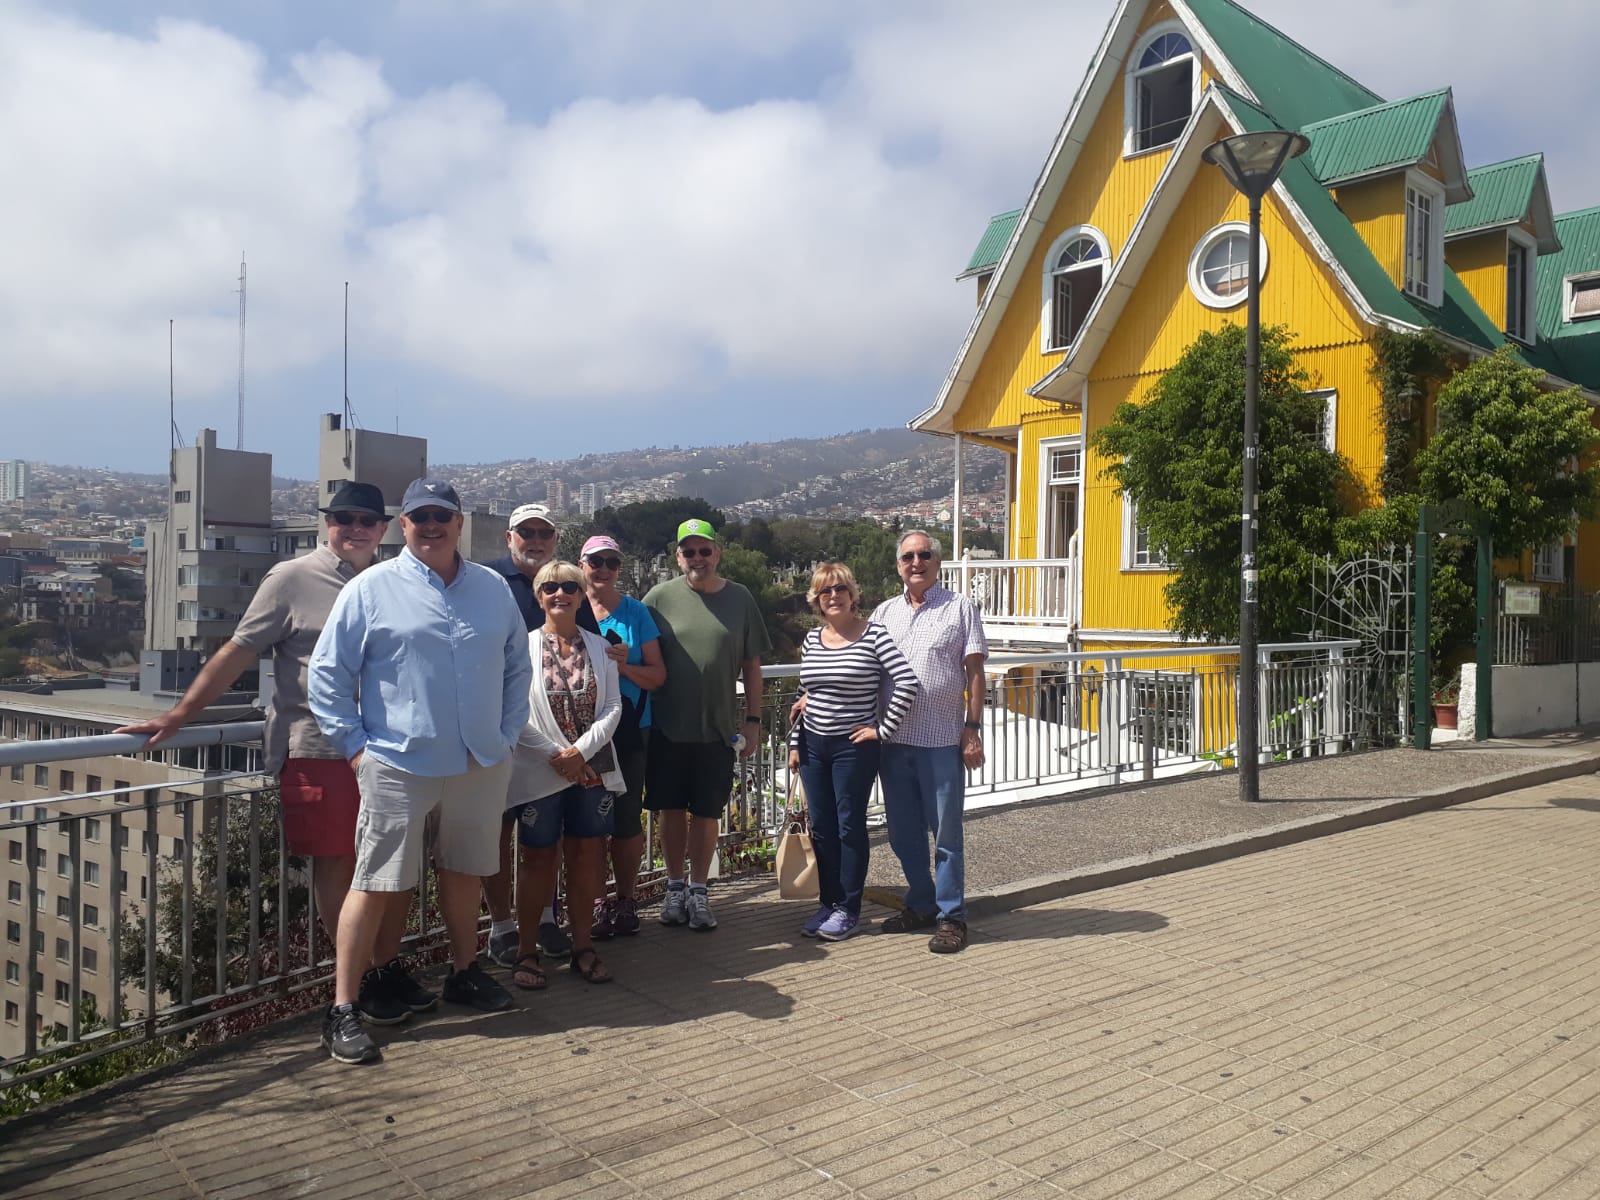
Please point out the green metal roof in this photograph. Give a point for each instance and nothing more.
(1383, 137)
(1502, 195)
(992, 244)
(1579, 255)
(1293, 84)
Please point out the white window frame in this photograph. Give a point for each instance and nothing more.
(1549, 562)
(1198, 255)
(1569, 292)
(1430, 287)
(1130, 532)
(1528, 333)
(1330, 416)
(1047, 284)
(1047, 480)
(1130, 86)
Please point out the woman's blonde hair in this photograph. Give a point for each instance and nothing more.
(828, 574)
(556, 571)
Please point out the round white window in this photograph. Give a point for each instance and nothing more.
(1219, 268)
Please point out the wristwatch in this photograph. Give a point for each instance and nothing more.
(749, 719)
(974, 725)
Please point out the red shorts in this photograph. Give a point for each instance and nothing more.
(320, 803)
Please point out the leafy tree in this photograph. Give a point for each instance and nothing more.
(647, 528)
(18, 1098)
(1513, 449)
(1179, 457)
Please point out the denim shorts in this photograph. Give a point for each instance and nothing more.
(577, 811)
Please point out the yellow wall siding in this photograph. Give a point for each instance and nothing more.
(1480, 263)
(1025, 516)
(1377, 208)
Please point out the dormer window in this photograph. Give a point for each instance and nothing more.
(1075, 270)
(1583, 298)
(1520, 266)
(1424, 263)
(1162, 81)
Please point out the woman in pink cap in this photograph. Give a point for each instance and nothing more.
(636, 649)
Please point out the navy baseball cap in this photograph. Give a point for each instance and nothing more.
(430, 493)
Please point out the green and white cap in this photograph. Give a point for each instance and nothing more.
(695, 527)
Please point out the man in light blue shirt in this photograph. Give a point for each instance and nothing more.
(420, 680)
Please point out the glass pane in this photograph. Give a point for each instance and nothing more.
(1164, 49)
(1586, 298)
(1225, 269)
(1164, 102)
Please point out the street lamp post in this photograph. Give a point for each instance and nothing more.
(1252, 162)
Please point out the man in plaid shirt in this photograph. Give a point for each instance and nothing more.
(924, 764)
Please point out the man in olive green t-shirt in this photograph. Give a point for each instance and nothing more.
(711, 634)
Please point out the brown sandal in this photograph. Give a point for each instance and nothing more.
(586, 964)
(527, 967)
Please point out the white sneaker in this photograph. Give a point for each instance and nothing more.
(700, 911)
(675, 907)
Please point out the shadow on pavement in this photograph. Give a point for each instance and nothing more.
(1026, 923)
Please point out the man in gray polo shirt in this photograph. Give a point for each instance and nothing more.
(316, 787)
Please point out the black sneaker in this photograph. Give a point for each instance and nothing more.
(553, 940)
(343, 1037)
(907, 920)
(379, 1002)
(475, 988)
(406, 988)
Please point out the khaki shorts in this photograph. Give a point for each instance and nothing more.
(392, 829)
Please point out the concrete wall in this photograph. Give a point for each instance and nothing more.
(1538, 699)
(387, 460)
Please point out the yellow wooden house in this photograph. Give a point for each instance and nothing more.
(1130, 246)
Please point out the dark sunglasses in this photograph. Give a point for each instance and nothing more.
(832, 588)
(529, 532)
(565, 585)
(697, 552)
(431, 516)
(366, 522)
(914, 555)
(597, 562)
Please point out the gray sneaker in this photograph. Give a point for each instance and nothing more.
(700, 910)
(675, 907)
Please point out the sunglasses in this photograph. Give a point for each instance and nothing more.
(832, 588)
(431, 516)
(697, 551)
(346, 518)
(599, 562)
(916, 555)
(530, 532)
(566, 585)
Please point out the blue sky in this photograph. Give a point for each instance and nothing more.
(571, 226)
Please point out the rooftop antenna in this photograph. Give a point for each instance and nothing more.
(349, 412)
(174, 438)
(240, 445)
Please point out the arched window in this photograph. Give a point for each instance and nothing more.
(1219, 268)
(1162, 75)
(1075, 270)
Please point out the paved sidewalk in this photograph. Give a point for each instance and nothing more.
(1405, 1010)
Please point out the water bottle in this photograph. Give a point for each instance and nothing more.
(738, 743)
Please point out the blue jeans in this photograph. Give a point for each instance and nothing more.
(837, 774)
(924, 791)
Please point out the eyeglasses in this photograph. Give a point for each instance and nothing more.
(431, 516)
(565, 585)
(599, 562)
(832, 588)
(529, 532)
(916, 555)
(697, 551)
(366, 522)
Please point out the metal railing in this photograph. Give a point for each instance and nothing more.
(1563, 626)
(179, 911)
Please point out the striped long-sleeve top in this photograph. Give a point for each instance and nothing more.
(844, 684)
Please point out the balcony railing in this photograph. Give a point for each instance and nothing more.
(1017, 591)
(200, 924)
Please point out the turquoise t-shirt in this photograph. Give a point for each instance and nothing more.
(632, 622)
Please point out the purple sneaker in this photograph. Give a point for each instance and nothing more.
(839, 925)
(817, 920)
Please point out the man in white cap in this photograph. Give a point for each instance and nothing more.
(531, 537)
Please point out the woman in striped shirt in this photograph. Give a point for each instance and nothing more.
(843, 665)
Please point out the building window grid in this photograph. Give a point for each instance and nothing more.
(1548, 564)
(1160, 91)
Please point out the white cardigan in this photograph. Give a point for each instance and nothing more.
(532, 776)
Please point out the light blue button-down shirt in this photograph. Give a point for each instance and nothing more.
(419, 674)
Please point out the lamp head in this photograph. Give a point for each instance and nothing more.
(1253, 161)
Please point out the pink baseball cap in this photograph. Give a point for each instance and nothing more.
(598, 542)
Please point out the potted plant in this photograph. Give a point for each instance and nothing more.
(1446, 696)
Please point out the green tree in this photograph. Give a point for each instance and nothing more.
(1179, 458)
(647, 528)
(1513, 449)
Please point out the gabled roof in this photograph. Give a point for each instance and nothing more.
(1579, 234)
(992, 244)
(1390, 137)
(1505, 193)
